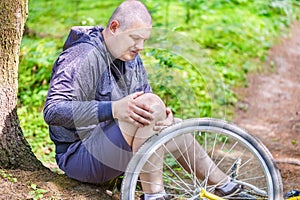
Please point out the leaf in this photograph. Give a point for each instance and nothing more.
(33, 186)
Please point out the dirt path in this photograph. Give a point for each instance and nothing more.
(273, 107)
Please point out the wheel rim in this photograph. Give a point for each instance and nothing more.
(190, 189)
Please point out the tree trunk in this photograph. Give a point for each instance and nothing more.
(15, 152)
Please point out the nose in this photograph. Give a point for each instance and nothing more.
(140, 45)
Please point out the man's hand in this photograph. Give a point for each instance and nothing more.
(166, 122)
(131, 111)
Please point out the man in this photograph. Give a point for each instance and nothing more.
(100, 107)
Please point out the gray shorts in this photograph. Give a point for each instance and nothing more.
(100, 157)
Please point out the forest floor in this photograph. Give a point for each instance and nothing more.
(269, 108)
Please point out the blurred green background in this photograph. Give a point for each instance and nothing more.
(199, 52)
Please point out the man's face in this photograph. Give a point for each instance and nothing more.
(125, 45)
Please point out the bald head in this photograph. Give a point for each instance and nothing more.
(127, 30)
(129, 13)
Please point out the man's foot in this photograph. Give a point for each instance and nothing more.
(228, 189)
(234, 190)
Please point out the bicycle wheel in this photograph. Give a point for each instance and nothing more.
(237, 153)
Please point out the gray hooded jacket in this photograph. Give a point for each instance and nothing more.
(85, 80)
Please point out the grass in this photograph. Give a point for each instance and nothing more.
(199, 51)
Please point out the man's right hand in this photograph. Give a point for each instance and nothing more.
(129, 110)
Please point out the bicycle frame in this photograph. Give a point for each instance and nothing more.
(294, 198)
(293, 195)
(210, 196)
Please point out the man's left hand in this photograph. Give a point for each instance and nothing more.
(166, 122)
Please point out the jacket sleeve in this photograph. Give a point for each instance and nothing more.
(71, 97)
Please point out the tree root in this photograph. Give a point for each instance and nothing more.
(291, 161)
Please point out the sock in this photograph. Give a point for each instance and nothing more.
(226, 183)
(154, 196)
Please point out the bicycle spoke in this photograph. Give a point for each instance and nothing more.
(222, 159)
(173, 172)
(169, 153)
(193, 172)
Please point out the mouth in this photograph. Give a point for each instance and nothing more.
(134, 52)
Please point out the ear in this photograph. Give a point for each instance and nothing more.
(114, 25)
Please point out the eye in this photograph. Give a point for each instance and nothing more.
(135, 38)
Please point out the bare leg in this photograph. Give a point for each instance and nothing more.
(193, 158)
(151, 176)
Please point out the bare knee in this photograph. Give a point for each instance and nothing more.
(159, 108)
(136, 136)
(155, 103)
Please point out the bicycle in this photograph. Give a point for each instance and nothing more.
(235, 151)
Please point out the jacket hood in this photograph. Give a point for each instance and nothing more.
(85, 34)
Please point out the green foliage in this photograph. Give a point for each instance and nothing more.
(236, 35)
(36, 193)
(36, 60)
(55, 17)
(198, 52)
(36, 132)
(180, 87)
(8, 177)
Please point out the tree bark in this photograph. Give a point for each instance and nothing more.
(15, 152)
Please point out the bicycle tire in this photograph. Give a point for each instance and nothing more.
(271, 175)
